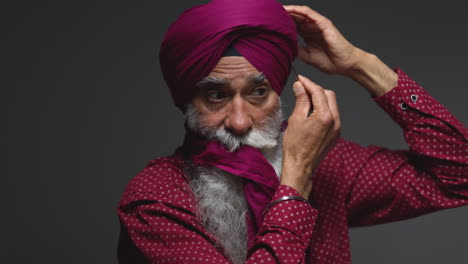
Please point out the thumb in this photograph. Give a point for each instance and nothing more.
(302, 106)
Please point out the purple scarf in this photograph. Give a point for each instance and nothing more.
(247, 162)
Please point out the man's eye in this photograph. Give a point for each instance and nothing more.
(260, 91)
(216, 95)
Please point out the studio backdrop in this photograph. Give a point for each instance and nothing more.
(87, 108)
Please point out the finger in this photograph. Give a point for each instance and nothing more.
(317, 94)
(307, 12)
(304, 11)
(334, 131)
(298, 18)
(302, 101)
(303, 20)
(333, 105)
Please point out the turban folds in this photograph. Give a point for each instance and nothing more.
(260, 30)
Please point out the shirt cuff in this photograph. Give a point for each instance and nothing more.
(294, 215)
(406, 102)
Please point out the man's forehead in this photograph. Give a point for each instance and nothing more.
(233, 67)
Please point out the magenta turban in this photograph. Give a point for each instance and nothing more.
(260, 30)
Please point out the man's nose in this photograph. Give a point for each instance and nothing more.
(238, 120)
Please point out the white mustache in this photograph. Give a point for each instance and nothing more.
(264, 137)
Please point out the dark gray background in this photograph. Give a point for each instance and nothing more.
(86, 109)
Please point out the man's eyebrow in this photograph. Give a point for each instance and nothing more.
(212, 81)
(258, 79)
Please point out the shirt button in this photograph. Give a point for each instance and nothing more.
(414, 98)
(404, 106)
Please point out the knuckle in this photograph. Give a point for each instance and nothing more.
(336, 131)
(324, 22)
(337, 125)
(295, 116)
(326, 119)
(329, 92)
(303, 98)
(331, 122)
(292, 119)
(327, 21)
(307, 10)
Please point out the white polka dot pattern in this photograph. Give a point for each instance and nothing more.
(353, 186)
(159, 222)
(286, 231)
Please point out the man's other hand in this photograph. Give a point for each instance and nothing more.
(308, 137)
(325, 47)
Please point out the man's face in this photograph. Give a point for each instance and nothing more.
(235, 95)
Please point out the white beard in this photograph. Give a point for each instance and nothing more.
(222, 209)
(220, 195)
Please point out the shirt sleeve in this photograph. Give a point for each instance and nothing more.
(286, 231)
(390, 185)
(159, 224)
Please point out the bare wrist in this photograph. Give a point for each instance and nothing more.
(373, 74)
(297, 177)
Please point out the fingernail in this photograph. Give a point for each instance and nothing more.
(298, 88)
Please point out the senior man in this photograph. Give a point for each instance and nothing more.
(246, 186)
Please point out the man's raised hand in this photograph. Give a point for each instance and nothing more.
(325, 47)
(308, 138)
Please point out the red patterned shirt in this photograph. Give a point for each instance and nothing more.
(353, 186)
